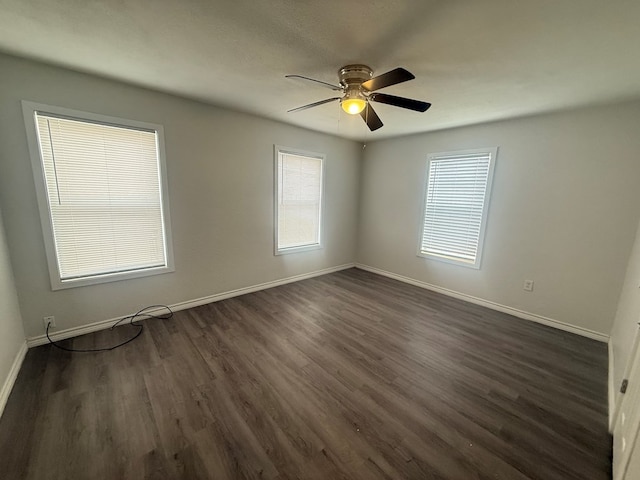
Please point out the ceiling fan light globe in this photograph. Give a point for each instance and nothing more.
(353, 106)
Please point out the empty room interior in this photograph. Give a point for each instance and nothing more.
(320, 240)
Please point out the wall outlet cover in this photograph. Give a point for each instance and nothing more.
(49, 320)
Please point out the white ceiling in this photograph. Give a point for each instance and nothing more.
(475, 60)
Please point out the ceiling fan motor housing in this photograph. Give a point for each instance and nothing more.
(352, 76)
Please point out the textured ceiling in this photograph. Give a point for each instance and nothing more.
(476, 61)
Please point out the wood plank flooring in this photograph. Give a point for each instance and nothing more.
(345, 376)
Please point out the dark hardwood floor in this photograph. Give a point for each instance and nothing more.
(346, 376)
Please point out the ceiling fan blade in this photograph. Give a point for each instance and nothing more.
(321, 102)
(392, 77)
(401, 102)
(320, 82)
(371, 118)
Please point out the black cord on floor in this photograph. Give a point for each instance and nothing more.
(140, 315)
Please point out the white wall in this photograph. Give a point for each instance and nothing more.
(564, 205)
(220, 174)
(11, 331)
(564, 209)
(625, 326)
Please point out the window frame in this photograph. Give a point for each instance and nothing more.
(303, 153)
(30, 109)
(493, 151)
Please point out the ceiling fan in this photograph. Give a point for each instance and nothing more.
(358, 86)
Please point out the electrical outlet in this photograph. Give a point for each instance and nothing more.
(528, 285)
(49, 321)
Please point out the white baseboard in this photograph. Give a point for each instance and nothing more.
(613, 407)
(104, 324)
(601, 337)
(7, 386)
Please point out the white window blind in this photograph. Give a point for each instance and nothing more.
(104, 198)
(298, 201)
(455, 211)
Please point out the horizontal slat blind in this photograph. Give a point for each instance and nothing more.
(103, 190)
(299, 200)
(455, 203)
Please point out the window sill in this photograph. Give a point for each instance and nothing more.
(57, 284)
(302, 248)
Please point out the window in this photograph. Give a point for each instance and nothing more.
(102, 195)
(455, 207)
(298, 202)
